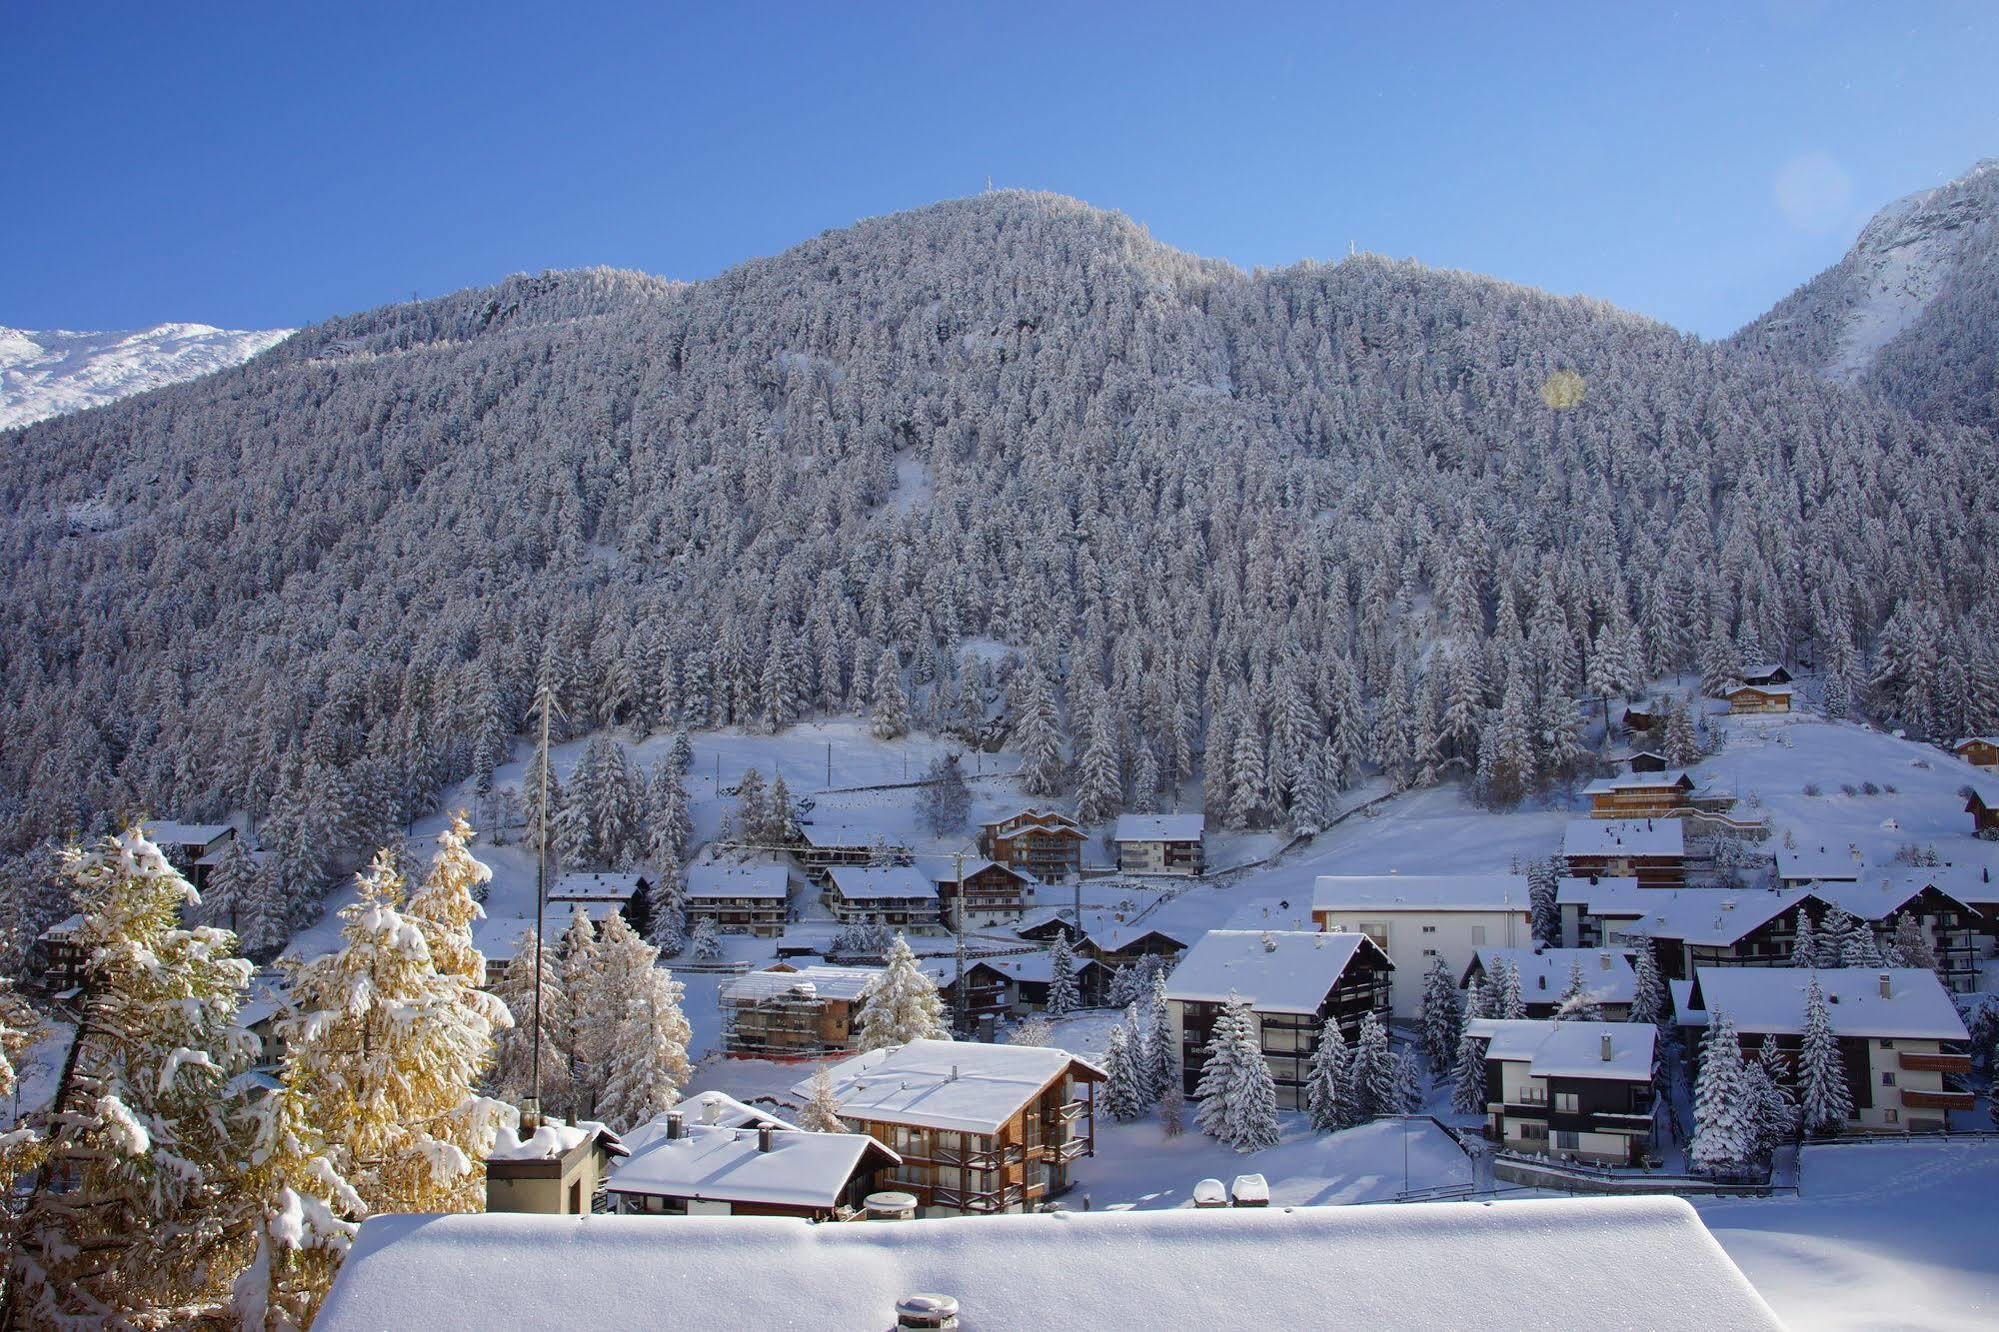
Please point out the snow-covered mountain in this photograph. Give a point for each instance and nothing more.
(1912, 310)
(54, 371)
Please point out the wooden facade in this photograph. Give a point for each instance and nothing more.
(1983, 807)
(1042, 843)
(1662, 796)
(1979, 751)
(1753, 699)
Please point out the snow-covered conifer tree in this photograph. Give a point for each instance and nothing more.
(705, 943)
(1648, 994)
(889, 717)
(388, 1053)
(1123, 1097)
(1724, 1139)
(1505, 998)
(572, 1016)
(642, 1053)
(1805, 943)
(1373, 1074)
(1165, 1069)
(822, 1106)
(1825, 1101)
(446, 903)
(752, 809)
(1776, 1116)
(1468, 1076)
(1063, 995)
(947, 800)
(1328, 1088)
(1099, 776)
(1547, 916)
(901, 1004)
(1912, 943)
(1238, 1095)
(513, 1063)
(1577, 1002)
(1442, 1014)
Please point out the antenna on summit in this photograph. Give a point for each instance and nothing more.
(1350, 249)
(989, 183)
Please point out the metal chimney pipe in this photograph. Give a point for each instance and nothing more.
(763, 1137)
(1887, 986)
(676, 1126)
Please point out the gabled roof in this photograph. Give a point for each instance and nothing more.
(1160, 828)
(1711, 916)
(801, 1169)
(1570, 1049)
(1624, 837)
(608, 886)
(718, 880)
(1976, 740)
(724, 1111)
(167, 832)
(868, 883)
(1274, 971)
(1766, 690)
(961, 1086)
(1633, 781)
(1610, 889)
(495, 936)
(1772, 999)
(821, 982)
(1045, 820)
(1544, 972)
(1635, 1263)
(944, 869)
(1982, 793)
(1816, 862)
(1877, 895)
(1101, 928)
(838, 835)
(1421, 892)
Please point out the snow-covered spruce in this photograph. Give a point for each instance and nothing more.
(901, 1004)
(1237, 1094)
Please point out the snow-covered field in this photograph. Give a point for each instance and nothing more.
(48, 373)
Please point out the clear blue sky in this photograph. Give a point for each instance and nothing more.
(272, 164)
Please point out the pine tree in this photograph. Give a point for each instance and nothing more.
(1724, 1139)
(388, 1053)
(1468, 1076)
(947, 800)
(513, 1064)
(889, 717)
(752, 809)
(1577, 1002)
(133, 1165)
(1173, 1109)
(1238, 1095)
(1805, 943)
(1776, 1116)
(300, 1215)
(1165, 1070)
(231, 890)
(1123, 1098)
(1328, 1090)
(446, 903)
(1063, 995)
(781, 816)
(1505, 998)
(1912, 944)
(642, 1053)
(1648, 994)
(901, 1004)
(822, 1105)
(1547, 916)
(1825, 1101)
(572, 1018)
(1860, 948)
(1375, 1079)
(1442, 1014)
(705, 943)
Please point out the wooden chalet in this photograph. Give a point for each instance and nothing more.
(1767, 673)
(192, 848)
(1641, 795)
(898, 896)
(1900, 1035)
(989, 893)
(1645, 760)
(827, 843)
(787, 1012)
(1012, 986)
(740, 899)
(1103, 935)
(1641, 717)
(979, 1128)
(60, 960)
(1980, 751)
(1039, 842)
(714, 1170)
(1653, 851)
(1580, 1090)
(1982, 804)
(1751, 699)
(1294, 981)
(1161, 843)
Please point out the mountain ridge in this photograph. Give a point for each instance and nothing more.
(49, 372)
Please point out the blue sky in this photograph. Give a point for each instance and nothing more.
(273, 164)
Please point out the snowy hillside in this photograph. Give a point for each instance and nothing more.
(51, 372)
(1910, 310)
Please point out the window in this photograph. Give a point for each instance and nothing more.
(1887, 1079)
(1891, 1116)
(1533, 1130)
(1429, 929)
(1566, 1103)
(1429, 952)
(1887, 1045)
(1477, 935)
(1567, 1142)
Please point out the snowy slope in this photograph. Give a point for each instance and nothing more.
(1908, 310)
(51, 372)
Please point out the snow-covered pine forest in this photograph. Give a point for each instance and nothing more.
(1280, 529)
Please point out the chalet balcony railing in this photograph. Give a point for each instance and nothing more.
(1072, 1110)
(1069, 1149)
(1913, 1099)
(962, 1160)
(979, 1200)
(1913, 1062)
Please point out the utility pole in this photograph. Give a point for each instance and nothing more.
(829, 765)
(540, 906)
(958, 922)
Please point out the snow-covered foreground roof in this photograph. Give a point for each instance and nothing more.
(1544, 972)
(1275, 971)
(1421, 892)
(1772, 999)
(729, 1165)
(1570, 1049)
(823, 982)
(960, 1086)
(1159, 828)
(1607, 1263)
(718, 880)
(1624, 837)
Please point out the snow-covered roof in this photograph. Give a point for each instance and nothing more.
(1976, 740)
(1159, 828)
(824, 982)
(1973, 885)
(882, 882)
(1570, 1049)
(1633, 781)
(944, 869)
(1772, 999)
(843, 835)
(552, 1141)
(1275, 971)
(1985, 793)
(1715, 916)
(1806, 863)
(168, 832)
(1878, 895)
(961, 1086)
(1421, 892)
(801, 1169)
(714, 879)
(1584, 891)
(1048, 820)
(1767, 690)
(1102, 926)
(607, 886)
(713, 1108)
(63, 928)
(1763, 670)
(1624, 837)
(1544, 972)
(496, 936)
(1637, 1263)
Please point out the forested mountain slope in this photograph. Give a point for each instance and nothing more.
(1304, 522)
(1912, 311)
